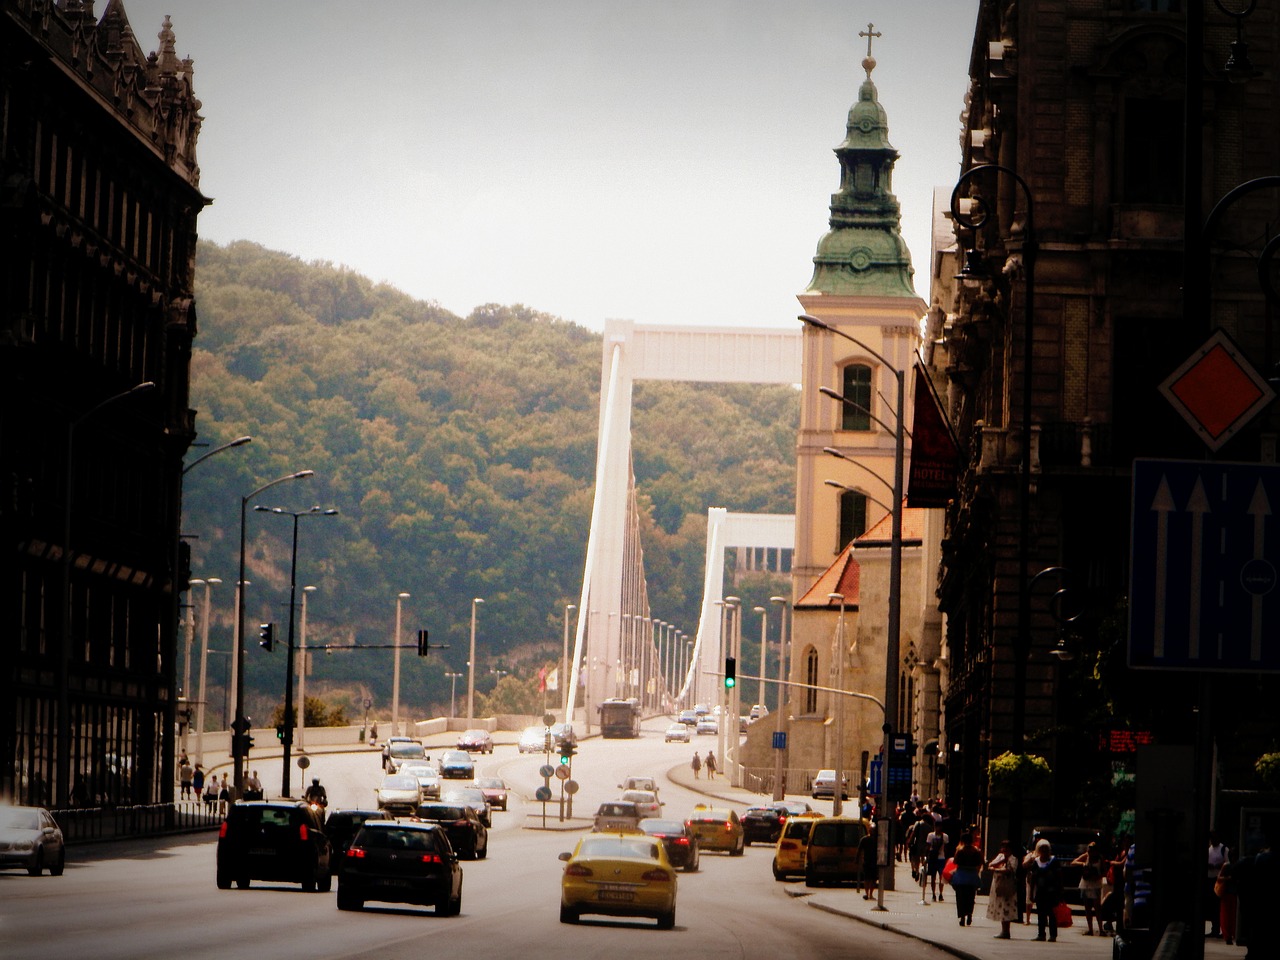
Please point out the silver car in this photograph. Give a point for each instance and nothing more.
(30, 838)
(399, 794)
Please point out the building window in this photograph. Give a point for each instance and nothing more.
(811, 678)
(853, 517)
(1152, 151)
(857, 390)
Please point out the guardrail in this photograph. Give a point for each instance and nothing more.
(84, 824)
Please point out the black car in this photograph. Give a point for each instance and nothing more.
(400, 861)
(473, 797)
(467, 835)
(274, 840)
(342, 827)
(763, 823)
(457, 765)
(677, 839)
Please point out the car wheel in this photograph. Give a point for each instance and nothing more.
(737, 851)
(243, 882)
(778, 874)
(483, 852)
(59, 865)
(568, 914)
(348, 902)
(224, 880)
(309, 884)
(325, 883)
(37, 864)
(668, 920)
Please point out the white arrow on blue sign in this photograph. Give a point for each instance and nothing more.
(1205, 551)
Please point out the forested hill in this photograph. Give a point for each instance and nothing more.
(460, 452)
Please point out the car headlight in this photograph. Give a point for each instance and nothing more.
(22, 846)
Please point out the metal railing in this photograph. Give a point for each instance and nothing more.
(82, 824)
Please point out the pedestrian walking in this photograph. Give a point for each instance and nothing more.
(1045, 873)
(867, 855)
(935, 859)
(210, 794)
(253, 787)
(1002, 903)
(711, 765)
(965, 877)
(1092, 867)
(696, 763)
(197, 781)
(1218, 855)
(185, 774)
(224, 796)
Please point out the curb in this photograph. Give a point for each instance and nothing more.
(884, 925)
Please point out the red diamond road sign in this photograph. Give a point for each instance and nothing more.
(1217, 391)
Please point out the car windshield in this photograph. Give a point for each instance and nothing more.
(13, 818)
(457, 756)
(654, 825)
(491, 783)
(438, 812)
(616, 810)
(607, 847)
(395, 838)
(639, 796)
(400, 783)
(407, 750)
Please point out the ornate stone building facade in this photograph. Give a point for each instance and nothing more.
(99, 194)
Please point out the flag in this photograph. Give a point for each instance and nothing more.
(935, 459)
(542, 679)
(552, 680)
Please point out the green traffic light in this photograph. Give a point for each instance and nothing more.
(564, 759)
(730, 682)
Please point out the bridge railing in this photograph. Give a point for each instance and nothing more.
(81, 824)
(795, 780)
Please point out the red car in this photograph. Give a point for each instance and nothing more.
(494, 790)
(476, 741)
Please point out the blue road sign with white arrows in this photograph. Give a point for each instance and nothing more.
(1203, 569)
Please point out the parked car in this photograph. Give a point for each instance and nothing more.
(467, 835)
(642, 882)
(494, 790)
(401, 861)
(677, 733)
(472, 797)
(397, 751)
(763, 823)
(646, 801)
(30, 838)
(793, 844)
(757, 711)
(616, 815)
(273, 840)
(342, 827)
(717, 829)
(678, 840)
(535, 740)
(457, 765)
(834, 854)
(824, 785)
(476, 741)
(399, 794)
(427, 774)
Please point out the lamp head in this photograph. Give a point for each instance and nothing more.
(975, 268)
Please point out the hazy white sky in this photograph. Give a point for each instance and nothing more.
(665, 161)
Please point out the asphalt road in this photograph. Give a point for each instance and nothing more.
(156, 898)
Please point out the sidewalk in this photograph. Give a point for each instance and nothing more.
(933, 923)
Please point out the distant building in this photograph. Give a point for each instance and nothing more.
(99, 194)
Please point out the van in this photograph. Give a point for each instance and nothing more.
(834, 854)
(789, 852)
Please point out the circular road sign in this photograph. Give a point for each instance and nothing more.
(571, 787)
(546, 770)
(548, 719)
(562, 773)
(543, 793)
(304, 762)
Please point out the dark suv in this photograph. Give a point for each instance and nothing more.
(273, 840)
(400, 861)
(763, 823)
(342, 827)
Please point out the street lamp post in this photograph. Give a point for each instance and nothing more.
(453, 686)
(287, 741)
(208, 583)
(302, 670)
(779, 788)
(764, 634)
(239, 726)
(471, 664)
(894, 631)
(565, 684)
(395, 670)
(731, 607)
(627, 657)
(837, 801)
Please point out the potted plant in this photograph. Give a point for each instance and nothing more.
(1268, 769)
(1012, 773)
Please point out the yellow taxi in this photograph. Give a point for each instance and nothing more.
(717, 829)
(835, 850)
(618, 875)
(789, 852)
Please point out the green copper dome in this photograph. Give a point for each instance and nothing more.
(863, 254)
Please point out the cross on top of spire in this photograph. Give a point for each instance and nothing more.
(869, 62)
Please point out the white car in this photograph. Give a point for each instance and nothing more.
(824, 785)
(427, 774)
(646, 801)
(708, 725)
(534, 740)
(677, 733)
(399, 794)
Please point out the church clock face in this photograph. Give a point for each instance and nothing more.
(865, 125)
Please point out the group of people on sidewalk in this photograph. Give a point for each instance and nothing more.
(697, 763)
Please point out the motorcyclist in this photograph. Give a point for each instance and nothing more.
(316, 793)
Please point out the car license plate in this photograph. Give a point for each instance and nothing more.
(392, 882)
(262, 852)
(618, 896)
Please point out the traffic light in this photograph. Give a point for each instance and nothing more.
(567, 750)
(424, 648)
(730, 673)
(280, 732)
(266, 635)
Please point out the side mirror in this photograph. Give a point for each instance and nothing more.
(566, 856)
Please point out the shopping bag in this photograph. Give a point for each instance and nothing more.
(1062, 914)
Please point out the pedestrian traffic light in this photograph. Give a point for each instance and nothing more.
(730, 673)
(423, 647)
(266, 635)
(280, 732)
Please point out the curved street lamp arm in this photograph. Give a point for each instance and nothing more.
(827, 391)
(237, 442)
(823, 325)
(844, 486)
(840, 456)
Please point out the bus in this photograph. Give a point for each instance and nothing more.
(619, 719)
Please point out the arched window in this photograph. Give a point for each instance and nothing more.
(857, 389)
(853, 517)
(811, 678)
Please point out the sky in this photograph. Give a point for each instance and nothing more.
(662, 162)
